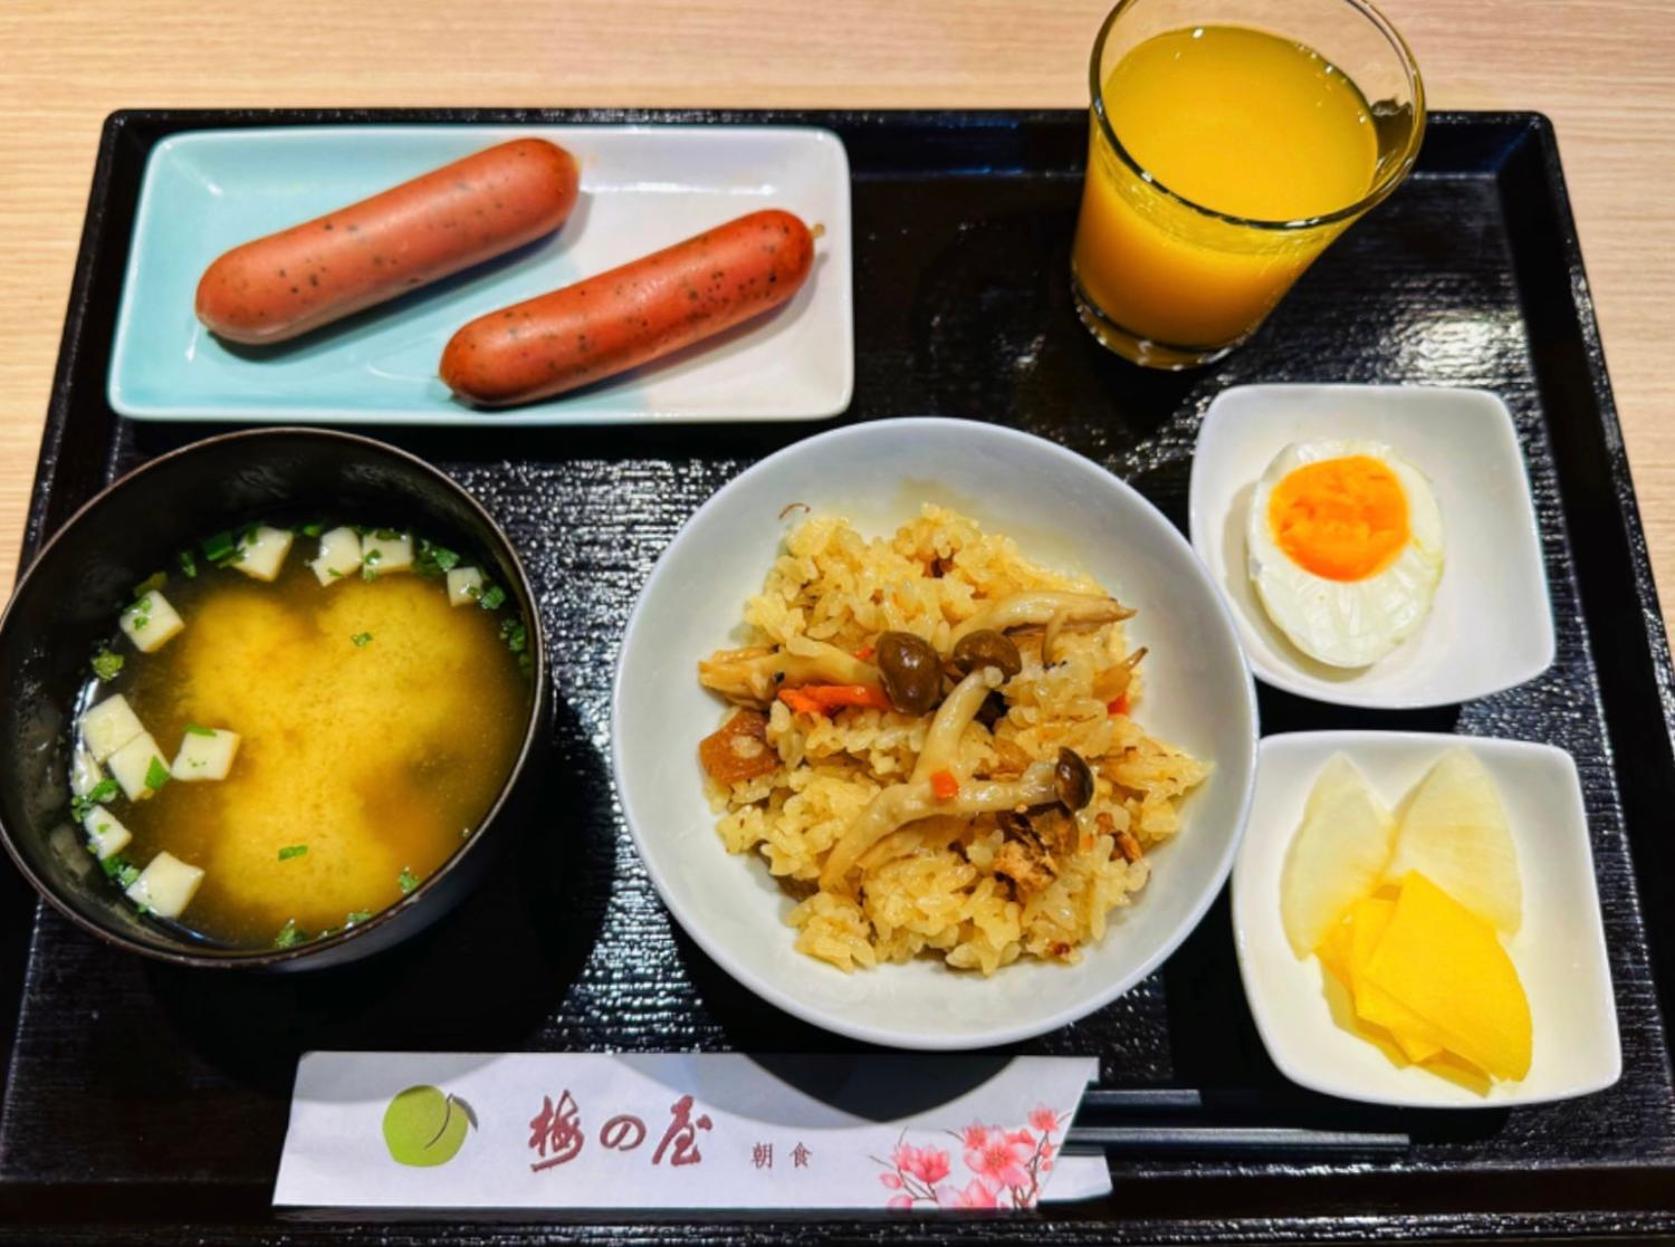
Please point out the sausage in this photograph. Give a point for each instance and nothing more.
(630, 315)
(440, 222)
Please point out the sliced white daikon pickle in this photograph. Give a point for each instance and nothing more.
(387, 554)
(85, 773)
(1454, 831)
(340, 555)
(109, 726)
(132, 767)
(205, 753)
(150, 622)
(465, 585)
(166, 886)
(105, 832)
(1335, 857)
(262, 553)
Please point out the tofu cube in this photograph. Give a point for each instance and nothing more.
(85, 773)
(132, 767)
(105, 833)
(393, 554)
(166, 886)
(262, 553)
(109, 726)
(150, 623)
(205, 754)
(340, 555)
(465, 585)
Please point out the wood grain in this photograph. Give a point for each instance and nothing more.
(1604, 70)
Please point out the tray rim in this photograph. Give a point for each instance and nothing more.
(1644, 1219)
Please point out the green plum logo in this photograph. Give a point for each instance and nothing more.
(422, 1126)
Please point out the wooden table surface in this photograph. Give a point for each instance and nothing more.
(1603, 70)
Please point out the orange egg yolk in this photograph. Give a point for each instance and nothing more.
(1342, 519)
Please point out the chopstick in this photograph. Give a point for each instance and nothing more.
(1244, 1139)
(1235, 1124)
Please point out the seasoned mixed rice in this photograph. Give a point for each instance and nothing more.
(974, 853)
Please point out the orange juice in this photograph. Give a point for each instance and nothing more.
(1238, 141)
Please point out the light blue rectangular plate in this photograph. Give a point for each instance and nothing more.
(642, 188)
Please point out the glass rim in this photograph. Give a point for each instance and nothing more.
(1391, 178)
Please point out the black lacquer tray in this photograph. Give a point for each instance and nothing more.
(144, 1104)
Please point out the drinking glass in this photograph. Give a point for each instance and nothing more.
(1171, 283)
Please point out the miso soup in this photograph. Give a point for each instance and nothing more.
(266, 761)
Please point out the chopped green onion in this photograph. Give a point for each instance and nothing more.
(369, 564)
(150, 585)
(124, 873)
(311, 529)
(106, 664)
(156, 775)
(220, 549)
(434, 560)
(357, 915)
(387, 534)
(292, 850)
(196, 730)
(290, 935)
(407, 880)
(361, 638)
(142, 614)
(188, 564)
(514, 634)
(493, 596)
(82, 806)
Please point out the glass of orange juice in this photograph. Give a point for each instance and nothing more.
(1232, 140)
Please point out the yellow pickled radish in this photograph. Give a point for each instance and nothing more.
(1368, 919)
(1376, 1007)
(1334, 949)
(1443, 963)
(1340, 997)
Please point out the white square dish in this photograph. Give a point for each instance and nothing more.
(1490, 626)
(1559, 950)
(642, 188)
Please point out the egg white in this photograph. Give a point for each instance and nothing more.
(1347, 623)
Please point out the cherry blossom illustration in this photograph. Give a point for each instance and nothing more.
(1006, 1168)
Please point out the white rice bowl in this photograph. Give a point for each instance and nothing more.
(1063, 511)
